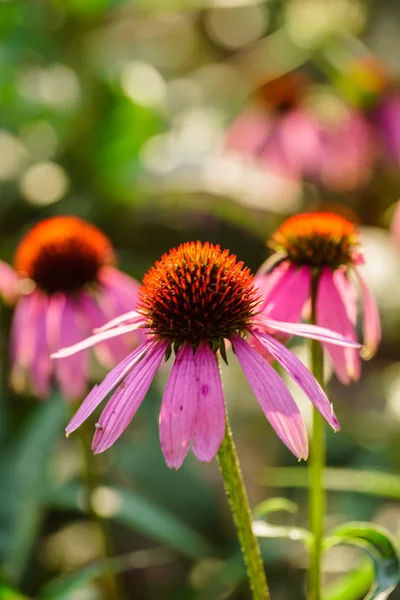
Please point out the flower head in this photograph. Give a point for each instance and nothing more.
(192, 301)
(326, 246)
(197, 292)
(317, 240)
(68, 286)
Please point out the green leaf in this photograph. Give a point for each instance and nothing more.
(262, 528)
(378, 544)
(354, 585)
(136, 511)
(8, 593)
(374, 483)
(24, 471)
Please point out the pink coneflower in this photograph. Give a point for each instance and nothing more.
(69, 286)
(192, 301)
(300, 138)
(327, 245)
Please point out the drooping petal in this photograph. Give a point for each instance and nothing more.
(124, 289)
(72, 372)
(371, 319)
(131, 317)
(301, 375)
(314, 332)
(274, 398)
(123, 405)
(23, 329)
(99, 392)
(285, 300)
(210, 415)
(266, 279)
(41, 367)
(178, 408)
(96, 338)
(332, 313)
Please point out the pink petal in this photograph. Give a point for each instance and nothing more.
(72, 372)
(96, 338)
(274, 398)
(209, 428)
(371, 319)
(131, 317)
(286, 299)
(301, 375)
(178, 408)
(41, 367)
(125, 286)
(23, 331)
(304, 330)
(122, 406)
(113, 350)
(395, 225)
(99, 392)
(249, 132)
(332, 313)
(9, 283)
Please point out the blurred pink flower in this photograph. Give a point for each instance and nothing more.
(328, 243)
(387, 121)
(299, 143)
(194, 299)
(395, 225)
(68, 287)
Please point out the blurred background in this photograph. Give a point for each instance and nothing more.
(163, 121)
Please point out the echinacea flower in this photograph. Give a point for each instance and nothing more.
(193, 300)
(68, 287)
(326, 245)
(305, 135)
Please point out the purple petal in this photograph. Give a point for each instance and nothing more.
(304, 330)
(371, 319)
(301, 375)
(178, 408)
(122, 406)
(274, 398)
(332, 313)
(209, 428)
(72, 372)
(131, 317)
(23, 332)
(99, 392)
(286, 299)
(96, 338)
(41, 367)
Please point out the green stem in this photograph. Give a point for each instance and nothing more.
(91, 480)
(316, 468)
(237, 497)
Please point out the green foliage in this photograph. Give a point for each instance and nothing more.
(381, 549)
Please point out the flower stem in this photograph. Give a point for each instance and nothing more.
(91, 482)
(316, 468)
(237, 497)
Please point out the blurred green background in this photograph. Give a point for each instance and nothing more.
(119, 112)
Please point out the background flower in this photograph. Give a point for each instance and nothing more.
(68, 287)
(324, 245)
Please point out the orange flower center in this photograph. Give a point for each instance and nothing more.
(317, 240)
(63, 254)
(197, 291)
(284, 92)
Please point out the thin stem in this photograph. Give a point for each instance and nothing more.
(237, 497)
(91, 480)
(316, 468)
